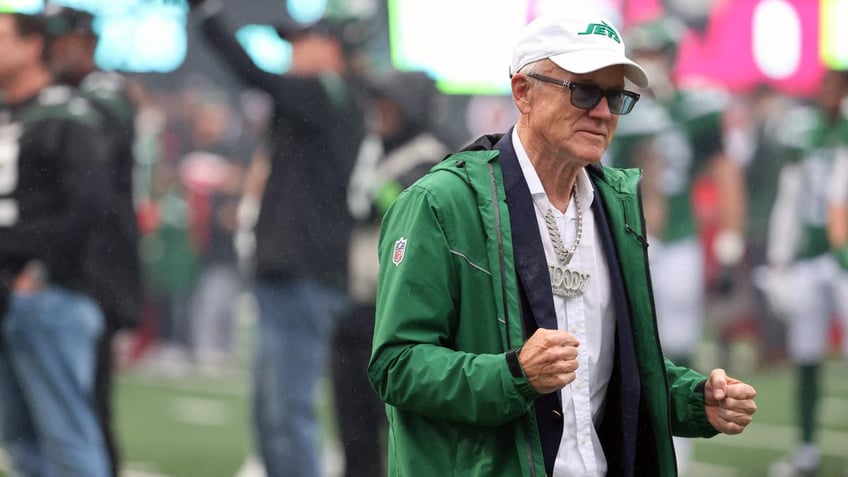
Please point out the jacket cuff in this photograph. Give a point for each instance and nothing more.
(699, 411)
(512, 362)
(518, 376)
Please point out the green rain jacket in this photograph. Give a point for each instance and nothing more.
(448, 318)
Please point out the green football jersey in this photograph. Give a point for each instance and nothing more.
(811, 140)
(687, 132)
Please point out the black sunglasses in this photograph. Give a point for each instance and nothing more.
(587, 96)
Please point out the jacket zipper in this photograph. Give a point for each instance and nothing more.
(653, 307)
(500, 252)
(499, 234)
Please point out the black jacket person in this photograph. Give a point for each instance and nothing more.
(302, 232)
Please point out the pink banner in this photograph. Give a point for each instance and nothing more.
(728, 52)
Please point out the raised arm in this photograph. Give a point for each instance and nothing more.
(223, 41)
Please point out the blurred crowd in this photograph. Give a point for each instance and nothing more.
(268, 199)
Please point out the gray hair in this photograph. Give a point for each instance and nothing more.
(537, 67)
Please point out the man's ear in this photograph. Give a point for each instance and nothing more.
(520, 92)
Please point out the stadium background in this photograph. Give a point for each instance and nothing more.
(187, 424)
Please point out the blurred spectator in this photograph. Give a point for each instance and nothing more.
(767, 108)
(191, 221)
(303, 227)
(256, 110)
(114, 260)
(400, 148)
(837, 222)
(168, 260)
(255, 178)
(57, 185)
(805, 276)
(170, 265)
(637, 144)
(837, 228)
(695, 152)
(213, 174)
(694, 148)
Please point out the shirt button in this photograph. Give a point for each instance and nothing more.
(556, 415)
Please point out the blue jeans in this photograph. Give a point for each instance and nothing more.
(296, 320)
(47, 355)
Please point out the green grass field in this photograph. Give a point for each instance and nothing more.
(195, 426)
(198, 427)
(183, 427)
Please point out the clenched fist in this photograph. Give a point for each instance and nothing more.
(729, 403)
(549, 359)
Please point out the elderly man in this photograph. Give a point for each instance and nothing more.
(515, 329)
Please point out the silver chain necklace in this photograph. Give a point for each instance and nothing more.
(565, 281)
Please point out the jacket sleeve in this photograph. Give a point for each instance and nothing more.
(688, 416)
(221, 39)
(415, 365)
(310, 99)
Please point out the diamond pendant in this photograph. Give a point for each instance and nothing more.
(566, 282)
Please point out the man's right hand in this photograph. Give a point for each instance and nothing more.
(549, 359)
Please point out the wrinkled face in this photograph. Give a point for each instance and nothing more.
(17, 51)
(556, 127)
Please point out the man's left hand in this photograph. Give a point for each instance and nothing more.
(729, 403)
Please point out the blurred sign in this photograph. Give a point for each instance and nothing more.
(467, 45)
(785, 44)
(753, 42)
(151, 36)
(137, 35)
(23, 6)
(465, 57)
(834, 35)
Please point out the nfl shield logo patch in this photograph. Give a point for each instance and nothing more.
(400, 249)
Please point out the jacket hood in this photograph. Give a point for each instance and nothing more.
(483, 143)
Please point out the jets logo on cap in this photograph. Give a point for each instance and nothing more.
(400, 250)
(603, 29)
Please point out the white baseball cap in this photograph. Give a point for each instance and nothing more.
(579, 44)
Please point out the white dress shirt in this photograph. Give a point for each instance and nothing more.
(590, 317)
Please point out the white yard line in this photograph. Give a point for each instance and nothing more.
(251, 467)
(202, 412)
(139, 473)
